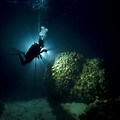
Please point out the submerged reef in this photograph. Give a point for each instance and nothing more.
(2, 107)
(91, 83)
(65, 72)
(78, 78)
(66, 64)
(108, 109)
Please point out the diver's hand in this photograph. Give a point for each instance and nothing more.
(38, 56)
(41, 56)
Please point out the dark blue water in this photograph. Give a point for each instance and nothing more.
(74, 25)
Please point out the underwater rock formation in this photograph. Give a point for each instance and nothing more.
(65, 72)
(102, 110)
(2, 107)
(92, 80)
(77, 78)
(67, 66)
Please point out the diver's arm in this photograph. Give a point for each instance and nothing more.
(41, 56)
(44, 50)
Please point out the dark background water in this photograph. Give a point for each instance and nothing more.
(85, 26)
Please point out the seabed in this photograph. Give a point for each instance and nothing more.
(39, 109)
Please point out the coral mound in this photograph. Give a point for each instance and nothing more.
(92, 80)
(78, 78)
(65, 71)
(66, 64)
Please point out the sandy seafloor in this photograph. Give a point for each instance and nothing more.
(39, 109)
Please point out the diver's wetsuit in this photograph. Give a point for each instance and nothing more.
(33, 52)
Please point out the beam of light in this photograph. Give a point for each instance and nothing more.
(49, 45)
(27, 44)
(24, 42)
(46, 57)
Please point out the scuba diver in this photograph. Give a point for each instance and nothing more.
(35, 50)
